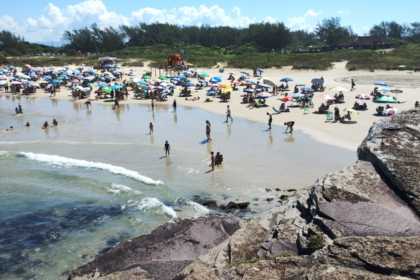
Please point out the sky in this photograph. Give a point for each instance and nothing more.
(45, 21)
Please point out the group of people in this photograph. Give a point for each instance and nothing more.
(216, 160)
(46, 125)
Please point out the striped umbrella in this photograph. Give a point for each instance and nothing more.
(390, 112)
(363, 96)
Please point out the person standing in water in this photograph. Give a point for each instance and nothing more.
(20, 109)
(55, 123)
(45, 126)
(174, 104)
(228, 114)
(212, 161)
(208, 130)
(167, 148)
(153, 105)
(151, 128)
(27, 124)
(270, 120)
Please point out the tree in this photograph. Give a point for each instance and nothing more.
(331, 32)
(388, 29)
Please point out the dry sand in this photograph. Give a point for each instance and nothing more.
(345, 135)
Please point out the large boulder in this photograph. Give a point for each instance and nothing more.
(162, 253)
(393, 146)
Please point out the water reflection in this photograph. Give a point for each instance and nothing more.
(175, 117)
(229, 129)
(270, 137)
(289, 138)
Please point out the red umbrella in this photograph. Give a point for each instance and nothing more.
(390, 112)
(287, 98)
(326, 97)
(248, 84)
(363, 96)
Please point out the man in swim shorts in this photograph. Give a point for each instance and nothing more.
(167, 148)
(228, 114)
(208, 130)
(270, 120)
(289, 125)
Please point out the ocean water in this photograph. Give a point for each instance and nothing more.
(70, 193)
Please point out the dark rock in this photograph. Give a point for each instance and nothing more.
(197, 199)
(277, 189)
(211, 204)
(242, 205)
(270, 199)
(284, 197)
(175, 245)
(223, 207)
(231, 205)
(291, 190)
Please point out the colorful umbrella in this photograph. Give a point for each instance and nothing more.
(339, 89)
(287, 98)
(263, 95)
(390, 112)
(225, 86)
(326, 97)
(226, 90)
(363, 96)
(351, 111)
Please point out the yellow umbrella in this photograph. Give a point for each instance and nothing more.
(226, 90)
(226, 86)
(339, 89)
(351, 111)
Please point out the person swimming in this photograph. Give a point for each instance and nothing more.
(55, 123)
(45, 126)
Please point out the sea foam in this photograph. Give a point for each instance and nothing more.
(117, 189)
(69, 162)
(149, 203)
(199, 209)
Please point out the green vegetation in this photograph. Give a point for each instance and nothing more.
(256, 259)
(316, 242)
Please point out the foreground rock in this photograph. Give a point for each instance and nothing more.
(358, 223)
(162, 253)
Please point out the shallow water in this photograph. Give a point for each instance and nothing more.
(99, 178)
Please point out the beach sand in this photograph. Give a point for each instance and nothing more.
(347, 135)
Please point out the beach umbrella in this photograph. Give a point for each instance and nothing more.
(307, 89)
(204, 74)
(47, 77)
(317, 81)
(260, 70)
(175, 79)
(396, 91)
(3, 82)
(390, 112)
(163, 78)
(202, 81)
(165, 91)
(210, 92)
(386, 99)
(11, 67)
(107, 90)
(326, 97)
(102, 84)
(89, 84)
(171, 85)
(249, 90)
(286, 80)
(380, 83)
(15, 83)
(248, 84)
(351, 111)
(339, 89)
(115, 87)
(188, 85)
(217, 79)
(213, 81)
(143, 82)
(226, 90)
(263, 95)
(54, 82)
(384, 89)
(363, 96)
(180, 76)
(3, 78)
(244, 72)
(149, 88)
(226, 86)
(287, 98)
(268, 82)
(159, 87)
(264, 85)
(297, 95)
(107, 66)
(251, 81)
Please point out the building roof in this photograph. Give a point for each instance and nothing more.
(366, 41)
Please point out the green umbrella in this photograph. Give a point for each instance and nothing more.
(204, 75)
(89, 84)
(59, 78)
(59, 81)
(107, 90)
(163, 78)
(386, 99)
(143, 85)
(145, 77)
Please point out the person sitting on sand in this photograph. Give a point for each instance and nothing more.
(55, 123)
(45, 126)
(322, 108)
(417, 105)
(364, 106)
(10, 128)
(388, 107)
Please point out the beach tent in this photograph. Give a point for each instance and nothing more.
(386, 99)
(318, 81)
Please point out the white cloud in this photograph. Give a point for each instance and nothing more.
(50, 25)
(312, 13)
(343, 12)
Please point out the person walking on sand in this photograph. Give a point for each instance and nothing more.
(174, 104)
(212, 161)
(270, 120)
(151, 128)
(208, 130)
(289, 125)
(116, 103)
(352, 85)
(228, 114)
(167, 148)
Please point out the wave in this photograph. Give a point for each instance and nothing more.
(69, 162)
(150, 203)
(117, 189)
(198, 208)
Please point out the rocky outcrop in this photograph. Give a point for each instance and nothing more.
(162, 253)
(358, 223)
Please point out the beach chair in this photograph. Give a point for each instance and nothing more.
(329, 117)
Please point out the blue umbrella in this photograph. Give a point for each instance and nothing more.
(165, 91)
(217, 79)
(115, 87)
(252, 81)
(54, 82)
(210, 92)
(286, 80)
(300, 85)
(381, 84)
(249, 90)
(11, 67)
(91, 71)
(188, 85)
(260, 70)
(202, 81)
(213, 81)
(102, 84)
(384, 89)
(181, 76)
(307, 89)
(244, 72)
(297, 95)
(108, 66)
(175, 79)
(142, 82)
